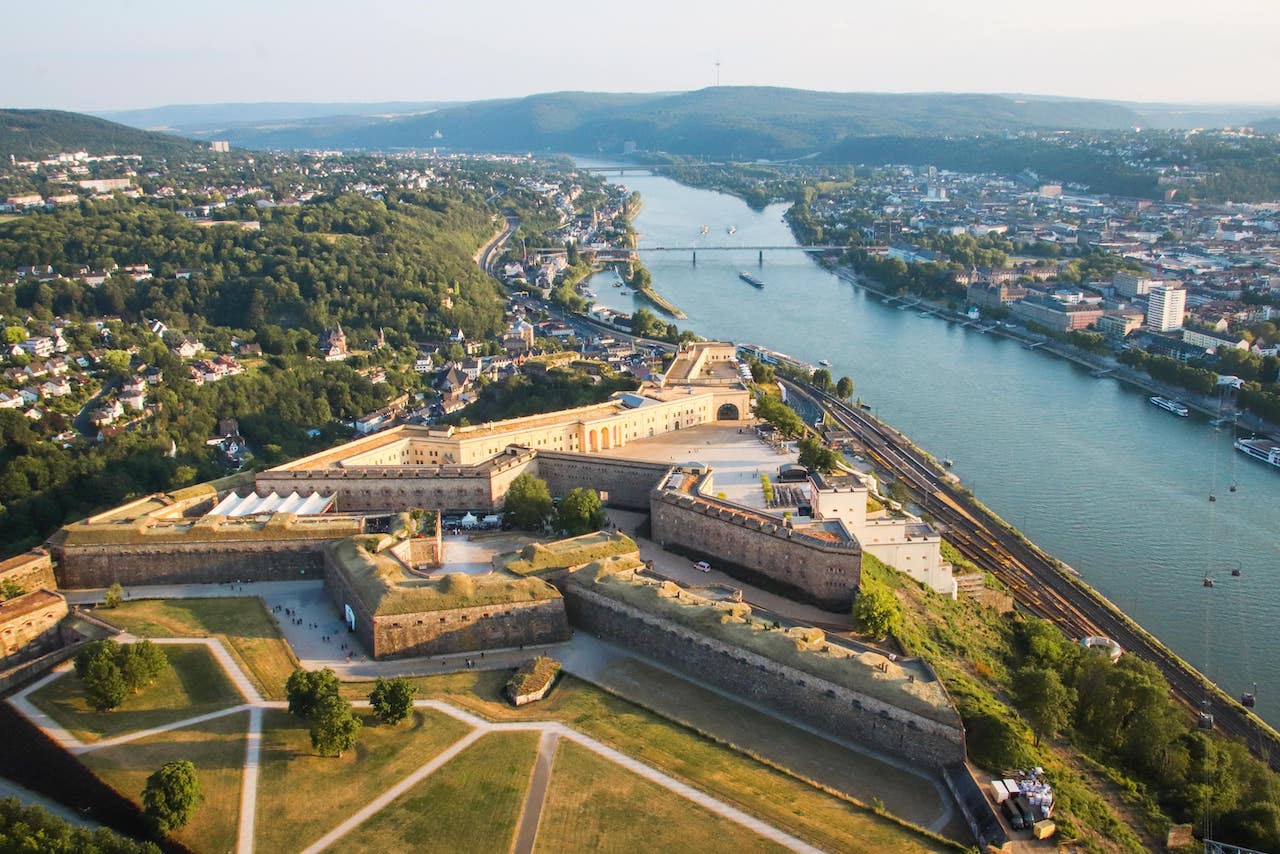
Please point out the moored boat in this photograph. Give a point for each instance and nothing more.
(1170, 405)
(1266, 450)
(751, 280)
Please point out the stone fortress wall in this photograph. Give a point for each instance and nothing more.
(826, 573)
(441, 632)
(195, 562)
(801, 695)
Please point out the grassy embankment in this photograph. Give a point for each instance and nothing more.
(775, 796)
(595, 805)
(193, 684)
(293, 780)
(472, 804)
(241, 622)
(215, 747)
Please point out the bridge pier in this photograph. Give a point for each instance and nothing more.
(760, 259)
(695, 257)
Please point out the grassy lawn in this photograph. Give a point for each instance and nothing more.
(594, 805)
(302, 796)
(215, 747)
(242, 622)
(472, 804)
(779, 799)
(192, 685)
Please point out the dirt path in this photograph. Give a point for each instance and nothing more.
(532, 815)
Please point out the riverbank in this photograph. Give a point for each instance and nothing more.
(1113, 369)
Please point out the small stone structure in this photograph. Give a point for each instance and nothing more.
(533, 680)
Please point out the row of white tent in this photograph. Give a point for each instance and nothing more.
(254, 504)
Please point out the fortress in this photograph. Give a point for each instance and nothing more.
(365, 517)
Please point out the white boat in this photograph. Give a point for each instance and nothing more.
(705, 229)
(1265, 450)
(1170, 405)
(826, 363)
(732, 229)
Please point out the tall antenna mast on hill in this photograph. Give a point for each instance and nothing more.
(717, 72)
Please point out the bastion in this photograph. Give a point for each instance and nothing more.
(894, 705)
(814, 564)
(397, 612)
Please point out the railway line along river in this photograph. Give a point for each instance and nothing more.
(1085, 467)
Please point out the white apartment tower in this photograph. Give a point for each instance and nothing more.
(1166, 307)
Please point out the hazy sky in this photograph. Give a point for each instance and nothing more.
(108, 54)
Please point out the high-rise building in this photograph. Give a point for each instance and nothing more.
(1166, 307)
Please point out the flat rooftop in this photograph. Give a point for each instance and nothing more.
(731, 449)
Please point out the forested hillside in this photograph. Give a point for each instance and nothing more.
(350, 260)
(30, 134)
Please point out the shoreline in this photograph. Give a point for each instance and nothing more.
(1120, 373)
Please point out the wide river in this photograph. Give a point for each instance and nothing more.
(1086, 467)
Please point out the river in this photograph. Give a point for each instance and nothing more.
(1086, 467)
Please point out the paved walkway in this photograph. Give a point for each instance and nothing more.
(531, 815)
(551, 733)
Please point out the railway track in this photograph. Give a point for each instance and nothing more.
(1039, 584)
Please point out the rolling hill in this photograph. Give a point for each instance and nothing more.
(39, 133)
(724, 121)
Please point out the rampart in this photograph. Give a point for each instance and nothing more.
(192, 562)
(30, 571)
(397, 616)
(824, 572)
(482, 486)
(835, 708)
(626, 482)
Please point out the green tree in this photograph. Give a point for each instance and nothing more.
(140, 664)
(10, 589)
(814, 455)
(581, 512)
(844, 388)
(528, 501)
(822, 378)
(876, 611)
(116, 363)
(783, 418)
(333, 726)
(306, 690)
(24, 828)
(1047, 704)
(15, 334)
(104, 685)
(114, 596)
(171, 795)
(392, 699)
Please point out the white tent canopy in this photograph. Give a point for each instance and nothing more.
(253, 504)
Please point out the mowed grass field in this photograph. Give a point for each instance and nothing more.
(242, 622)
(215, 747)
(302, 796)
(786, 802)
(193, 684)
(595, 805)
(471, 804)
